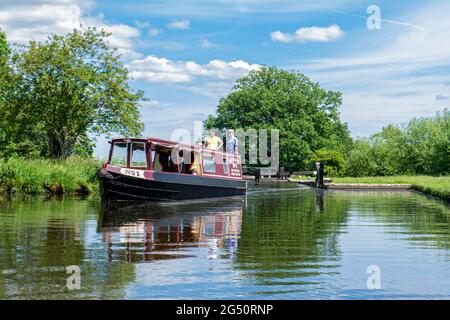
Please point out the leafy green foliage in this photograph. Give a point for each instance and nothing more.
(334, 163)
(306, 114)
(419, 147)
(5, 50)
(65, 90)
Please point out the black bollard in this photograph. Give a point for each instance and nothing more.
(319, 176)
(257, 175)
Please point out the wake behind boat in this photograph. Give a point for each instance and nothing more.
(157, 169)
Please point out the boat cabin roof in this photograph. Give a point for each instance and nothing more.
(209, 162)
(160, 141)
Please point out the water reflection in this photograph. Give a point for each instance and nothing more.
(281, 242)
(294, 248)
(147, 232)
(39, 238)
(319, 200)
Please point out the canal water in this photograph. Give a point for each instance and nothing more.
(280, 242)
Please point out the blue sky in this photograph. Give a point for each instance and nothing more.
(185, 55)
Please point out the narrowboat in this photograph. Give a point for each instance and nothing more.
(152, 169)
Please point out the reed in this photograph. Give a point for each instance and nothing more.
(40, 176)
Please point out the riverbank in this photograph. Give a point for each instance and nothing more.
(78, 176)
(43, 176)
(435, 186)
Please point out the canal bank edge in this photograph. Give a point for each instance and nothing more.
(428, 189)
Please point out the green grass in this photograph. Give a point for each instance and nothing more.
(435, 186)
(296, 178)
(40, 176)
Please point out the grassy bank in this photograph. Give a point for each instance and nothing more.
(435, 186)
(40, 176)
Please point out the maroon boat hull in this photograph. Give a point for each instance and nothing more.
(167, 186)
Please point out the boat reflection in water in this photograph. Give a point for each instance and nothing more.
(154, 231)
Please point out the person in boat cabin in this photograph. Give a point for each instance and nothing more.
(213, 142)
(195, 168)
(232, 142)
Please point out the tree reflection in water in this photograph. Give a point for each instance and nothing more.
(291, 239)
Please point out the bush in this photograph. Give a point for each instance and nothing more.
(334, 164)
(419, 147)
(7, 176)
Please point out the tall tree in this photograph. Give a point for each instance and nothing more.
(71, 87)
(5, 52)
(306, 114)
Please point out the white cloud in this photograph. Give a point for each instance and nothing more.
(155, 69)
(142, 24)
(309, 34)
(129, 54)
(441, 97)
(205, 43)
(153, 32)
(26, 20)
(280, 36)
(179, 25)
(151, 104)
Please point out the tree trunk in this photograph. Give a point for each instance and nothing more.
(56, 148)
(61, 148)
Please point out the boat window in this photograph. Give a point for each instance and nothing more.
(153, 154)
(119, 154)
(225, 166)
(138, 155)
(209, 165)
(162, 159)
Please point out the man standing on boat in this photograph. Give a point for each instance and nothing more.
(213, 142)
(232, 142)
